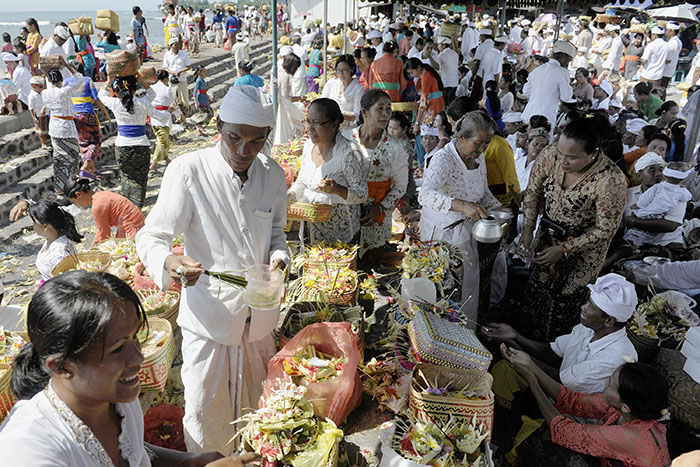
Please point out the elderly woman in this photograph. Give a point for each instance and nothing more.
(583, 196)
(454, 189)
(385, 164)
(77, 381)
(331, 172)
(132, 147)
(621, 426)
(345, 89)
(537, 140)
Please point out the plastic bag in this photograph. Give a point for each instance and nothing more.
(290, 121)
(334, 398)
(681, 306)
(321, 449)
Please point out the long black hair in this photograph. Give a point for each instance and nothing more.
(32, 21)
(677, 129)
(49, 212)
(644, 389)
(124, 88)
(413, 64)
(73, 187)
(65, 316)
(491, 88)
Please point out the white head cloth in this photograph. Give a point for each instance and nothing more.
(173, 40)
(374, 34)
(677, 173)
(286, 50)
(647, 160)
(62, 32)
(673, 26)
(564, 47)
(657, 30)
(247, 105)
(486, 32)
(613, 294)
(8, 57)
(635, 125)
(429, 130)
(512, 117)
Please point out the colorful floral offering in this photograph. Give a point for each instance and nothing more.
(312, 366)
(333, 282)
(156, 302)
(426, 259)
(10, 345)
(90, 265)
(331, 252)
(426, 387)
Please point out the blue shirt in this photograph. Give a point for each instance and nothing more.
(218, 18)
(88, 92)
(137, 26)
(202, 98)
(249, 80)
(231, 24)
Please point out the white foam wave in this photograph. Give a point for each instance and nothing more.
(21, 23)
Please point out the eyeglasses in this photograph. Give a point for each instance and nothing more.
(314, 124)
(343, 70)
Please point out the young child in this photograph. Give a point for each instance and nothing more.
(430, 137)
(201, 101)
(57, 227)
(658, 200)
(36, 103)
(580, 60)
(398, 128)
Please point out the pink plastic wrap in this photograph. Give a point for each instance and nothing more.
(334, 398)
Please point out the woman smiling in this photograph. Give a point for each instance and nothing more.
(77, 381)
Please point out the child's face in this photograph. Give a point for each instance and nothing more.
(37, 87)
(396, 130)
(511, 128)
(203, 72)
(521, 140)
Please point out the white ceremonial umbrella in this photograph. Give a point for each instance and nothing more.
(682, 12)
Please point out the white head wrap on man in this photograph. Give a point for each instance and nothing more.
(173, 40)
(429, 130)
(62, 32)
(657, 30)
(564, 47)
(647, 160)
(635, 125)
(512, 117)
(374, 34)
(8, 57)
(613, 294)
(485, 32)
(247, 105)
(286, 50)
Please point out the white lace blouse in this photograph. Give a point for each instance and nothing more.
(346, 169)
(59, 102)
(44, 431)
(49, 256)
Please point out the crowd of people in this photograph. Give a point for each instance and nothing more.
(575, 140)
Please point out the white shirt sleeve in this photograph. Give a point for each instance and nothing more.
(677, 275)
(399, 177)
(430, 194)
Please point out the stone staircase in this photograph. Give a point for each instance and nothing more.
(29, 171)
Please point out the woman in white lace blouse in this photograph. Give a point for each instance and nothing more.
(345, 89)
(57, 227)
(332, 173)
(77, 381)
(455, 188)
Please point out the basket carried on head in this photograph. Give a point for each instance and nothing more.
(302, 211)
(439, 408)
(122, 63)
(81, 26)
(50, 62)
(156, 364)
(94, 261)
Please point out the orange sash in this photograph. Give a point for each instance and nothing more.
(378, 191)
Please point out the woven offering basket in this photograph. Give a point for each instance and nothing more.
(50, 62)
(349, 262)
(646, 347)
(431, 407)
(312, 294)
(171, 314)
(7, 399)
(70, 263)
(81, 26)
(404, 106)
(156, 365)
(302, 211)
(122, 63)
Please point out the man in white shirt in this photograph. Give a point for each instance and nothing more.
(673, 52)
(525, 43)
(477, 80)
(20, 76)
(470, 40)
(241, 51)
(177, 63)
(375, 38)
(549, 84)
(512, 120)
(230, 202)
(601, 95)
(54, 46)
(492, 62)
(683, 276)
(584, 38)
(653, 59)
(514, 31)
(448, 62)
(591, 353)
(417, 48)
(611, 65)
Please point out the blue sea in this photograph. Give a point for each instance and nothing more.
(12, 22)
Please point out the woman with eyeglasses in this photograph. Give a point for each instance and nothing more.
(331, 173)
(345, 89)
(455, 189)
(385, 165)
(583, 194)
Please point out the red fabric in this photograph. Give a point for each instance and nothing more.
(288, 174)
(387, 69)
(378, 191)
(113, 210)
(637, 443)
(163, 427)
(428, 84)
